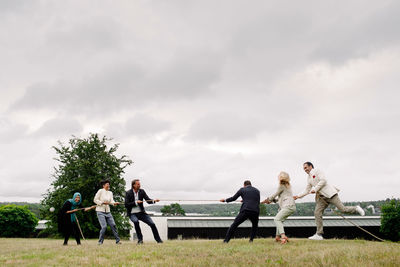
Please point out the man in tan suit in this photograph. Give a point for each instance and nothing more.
(325, 194)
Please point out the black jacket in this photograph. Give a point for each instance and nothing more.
(64, 218)
(130, 200)
(250, 196)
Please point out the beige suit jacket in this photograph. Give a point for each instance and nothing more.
(284, 195)
(316, 179)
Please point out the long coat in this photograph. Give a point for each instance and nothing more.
(64, 218)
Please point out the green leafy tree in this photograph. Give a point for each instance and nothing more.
(16, 221)
(173, 210)
(263, 210)
(390, 220)
(82, 165)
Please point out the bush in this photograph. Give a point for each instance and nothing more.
(16, 221)
(390, 220)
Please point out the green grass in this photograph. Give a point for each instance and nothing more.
(263, 252)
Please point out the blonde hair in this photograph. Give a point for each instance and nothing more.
(284, 179)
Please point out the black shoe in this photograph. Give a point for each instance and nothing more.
(140, 242)
(251, 241)
(118, 243)
(225, 241)
(160, 242)
(65, 244)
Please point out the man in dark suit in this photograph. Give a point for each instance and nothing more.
(250, 209)
(135, 210)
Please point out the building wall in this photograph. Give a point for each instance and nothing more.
(269, 232)
(162, 227)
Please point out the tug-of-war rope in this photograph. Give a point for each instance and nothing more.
(214, 200)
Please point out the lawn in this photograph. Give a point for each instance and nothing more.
(239, 252)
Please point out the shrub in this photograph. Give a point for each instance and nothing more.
(16, 221)
(390, 220)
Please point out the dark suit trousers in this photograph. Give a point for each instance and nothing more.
(240, 218)
(144, 217)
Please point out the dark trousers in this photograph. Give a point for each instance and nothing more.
(242, 216)
(144, 217)
(73, 229)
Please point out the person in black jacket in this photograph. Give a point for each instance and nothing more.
(250, 209)
(67, 224)
(135, 210)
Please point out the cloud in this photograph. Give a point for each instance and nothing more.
(84, 37)
(230, 127)
(140, 125)
(203, 94)
(124, 84)
(11, 131)
(360, 36)
(9, 7)
(59, 127)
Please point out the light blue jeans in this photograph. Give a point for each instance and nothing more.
(104, 219)
(281, 217)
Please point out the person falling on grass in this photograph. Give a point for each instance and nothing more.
(250, 209)
(287, 206)
(67, 223)
(325, 194)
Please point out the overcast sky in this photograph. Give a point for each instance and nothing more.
(202, 95)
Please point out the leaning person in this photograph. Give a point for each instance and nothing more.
(67, 223)
(103, 199)
(325, 194)
(287, 206)
(250, 209)
(135, 211)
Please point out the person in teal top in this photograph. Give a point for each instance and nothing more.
(67, 223)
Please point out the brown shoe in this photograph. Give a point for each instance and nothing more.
(277, 238)
(284, 240)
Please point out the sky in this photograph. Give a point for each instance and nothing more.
(203, 95)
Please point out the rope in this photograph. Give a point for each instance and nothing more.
(168, 200)
(79, 226)
(359, 227)
(89, 208)
(189, 200)
(195, 200)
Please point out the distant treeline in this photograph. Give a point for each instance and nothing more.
(303, 209)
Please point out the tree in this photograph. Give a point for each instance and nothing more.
(263, 210)
(390, 220)
(82, 165)
(173, 210)
(16, 221)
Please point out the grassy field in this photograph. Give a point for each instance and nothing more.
(239, 252)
